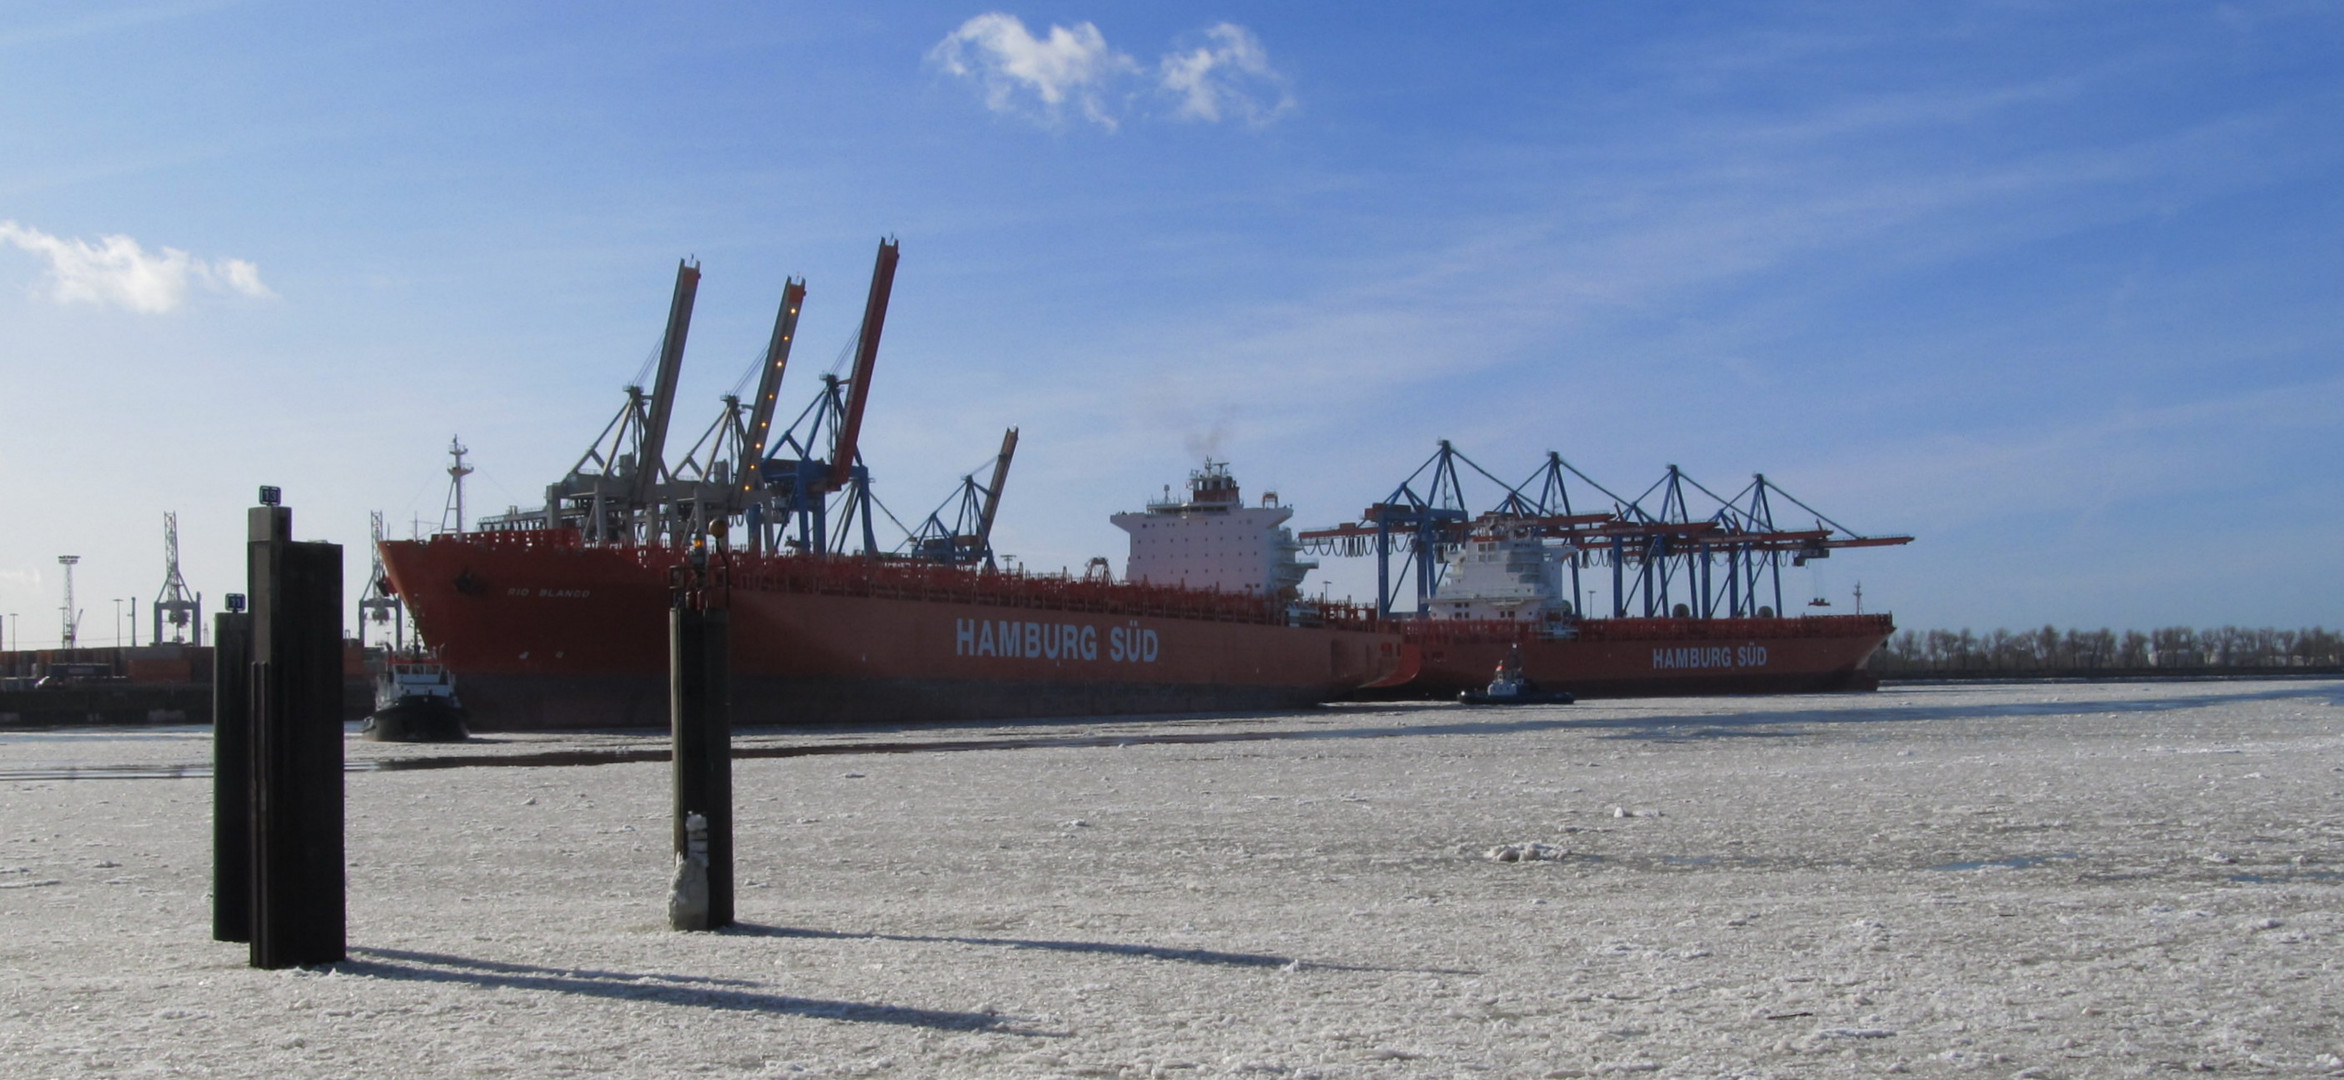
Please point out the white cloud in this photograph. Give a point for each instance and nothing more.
(1230, 75)
(118, 270)
(1035, 77)
(1039, 78)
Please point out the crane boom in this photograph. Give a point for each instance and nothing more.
(785, 330)
(842, 460)
(993, 492)
(663, 390)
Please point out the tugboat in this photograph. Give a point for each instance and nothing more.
(415, 701)
(1507, 686)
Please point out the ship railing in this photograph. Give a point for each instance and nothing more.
(516, 539)
(1803, 626)
(1640, 630)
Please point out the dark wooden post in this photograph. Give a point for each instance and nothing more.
(298, 897)
(700, 702)
(232, 773)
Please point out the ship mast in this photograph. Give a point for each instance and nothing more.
(456, 474)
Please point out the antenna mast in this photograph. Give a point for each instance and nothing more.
(174, 605)
(456, 474)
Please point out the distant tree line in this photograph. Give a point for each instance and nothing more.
(2053, 649)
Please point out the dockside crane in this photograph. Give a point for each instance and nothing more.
(716, 480)
(701, 492)
(1419, 524)
(1550, 512)
(760, 426)
(174, 605)
(993, 494)
(741, 470)
(1658, 546)
(653, 470)
(968, 538)
(1754, 504)
(378, 604)
(614, 491)
(800, 486)
(866, 359)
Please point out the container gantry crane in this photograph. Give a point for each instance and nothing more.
(1659, 549)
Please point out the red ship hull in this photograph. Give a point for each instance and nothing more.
(1649, 657)
(542, 632)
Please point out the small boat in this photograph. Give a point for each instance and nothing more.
(415, 701)
(1507, 686)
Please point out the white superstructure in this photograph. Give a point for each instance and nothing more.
(1212, 540)
(1504, 570)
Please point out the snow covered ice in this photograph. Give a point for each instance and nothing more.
(2073, 880)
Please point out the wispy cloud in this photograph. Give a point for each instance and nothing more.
(1038, 78)
(1228, 75)
(1042, 78)
(121, 272)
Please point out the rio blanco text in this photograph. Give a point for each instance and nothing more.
(1053, 641)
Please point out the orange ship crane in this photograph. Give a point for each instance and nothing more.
(741, 471)
(785, 331)
(718, 480)
(842, 457)
(653, 470)
(799, 481)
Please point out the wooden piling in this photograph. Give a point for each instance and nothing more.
(232, 777)
(298, 886)
(700, 705)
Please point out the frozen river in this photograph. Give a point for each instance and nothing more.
(2066, 880)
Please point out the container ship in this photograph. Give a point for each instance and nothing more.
(544, 630)
(1696, 597)
(555, 617)
(1635, 657)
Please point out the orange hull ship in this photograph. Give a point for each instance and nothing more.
(545, 631)
(557, 617)
(1648, 657)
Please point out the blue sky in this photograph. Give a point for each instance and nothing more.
(2054, 287)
